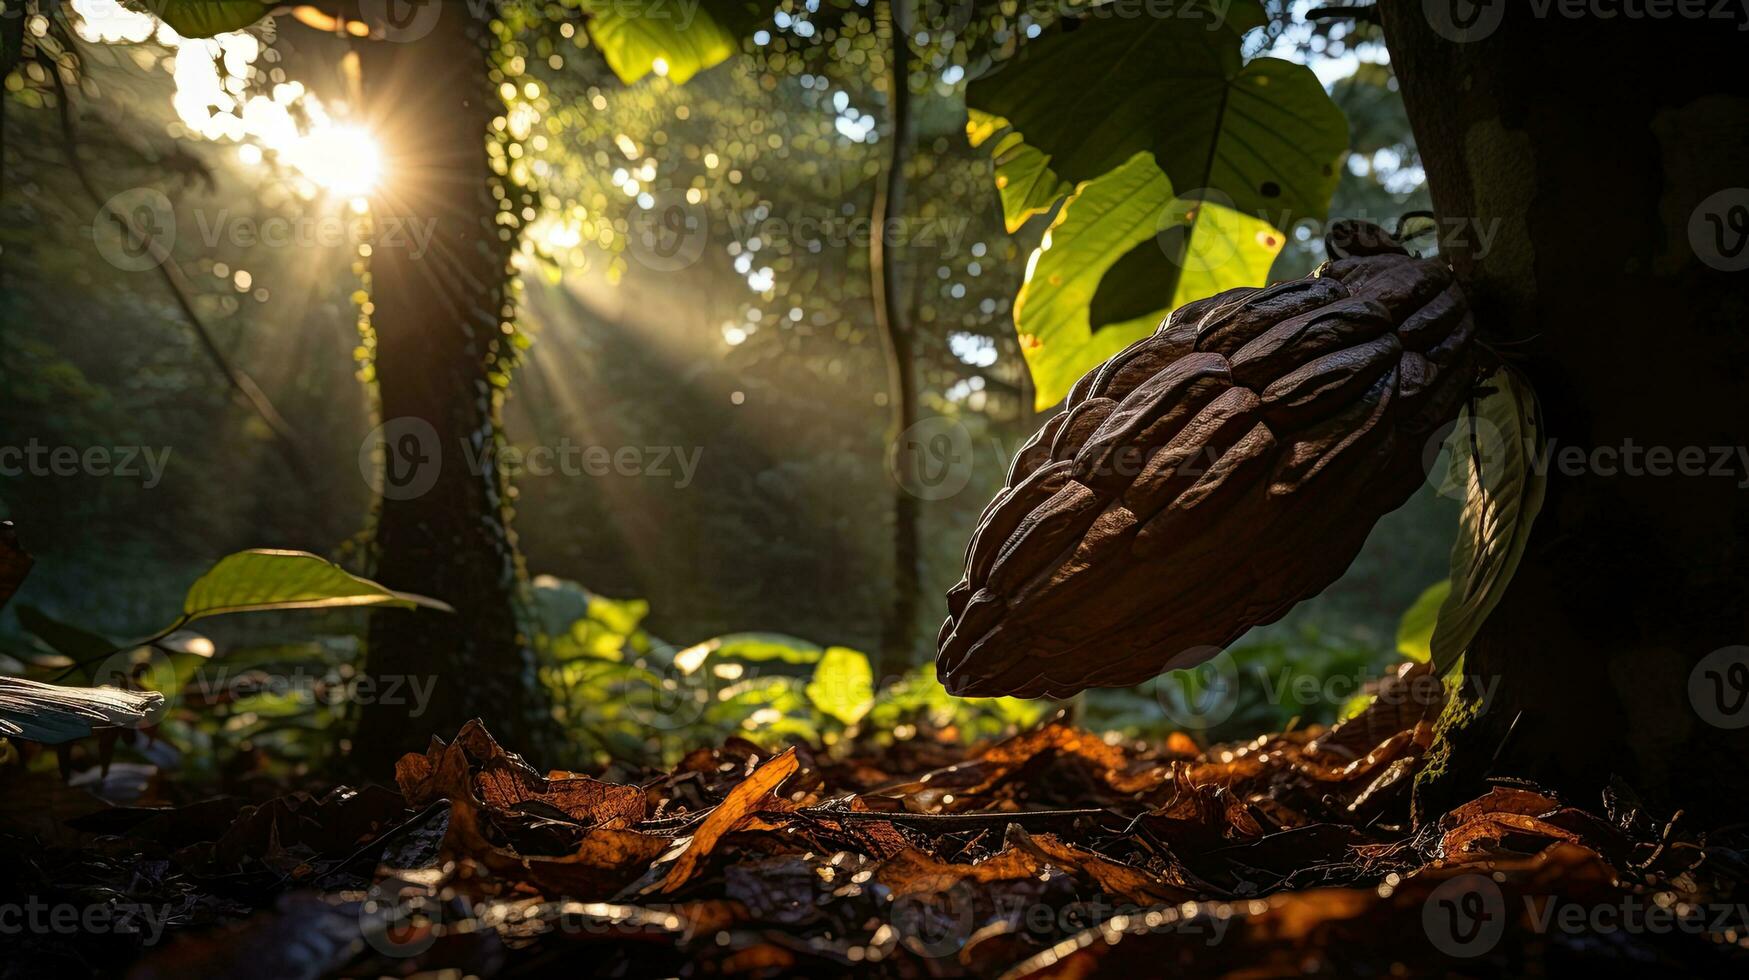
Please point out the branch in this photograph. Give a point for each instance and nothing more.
(1368, 14)
(286, 440)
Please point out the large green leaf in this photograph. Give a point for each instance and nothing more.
(1091, 97)
(1494, 447)
(1124, 249)
(1024, 179)
(842, 685)
(1267, 137)
(205, 18)
(251, 581)
(1263, 135)
(677, 40)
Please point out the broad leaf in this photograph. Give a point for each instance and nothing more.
(1199, 248)
(52, 714)
(1268, 138)
(1125, 250)
(677, 40)
(1415, 630)
(1264, 135)
(1091, 96)
(1024, 179)
(251, 581)
(842, 685)
(1495, 448)
(79, 645)
(205, 18)
(748, 646)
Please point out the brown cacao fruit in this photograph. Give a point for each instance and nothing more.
(1210, 476)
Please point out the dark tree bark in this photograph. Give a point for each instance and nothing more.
(443, 528)
(1567, 159)
(899, 624)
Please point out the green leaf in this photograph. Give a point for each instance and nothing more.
(1268, 138)
(1024, 179)
(1121, 254)
(1415, 630)
(252, 581)
(748, 646)
(1494, 447)
(1092, 97)
(842, 685)
(638, 37)
(76, 643)
(1263, 135)
(622, 616)
(205, 18)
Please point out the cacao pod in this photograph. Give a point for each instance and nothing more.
(1210, 476)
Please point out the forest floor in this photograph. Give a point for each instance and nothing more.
(1053, 853)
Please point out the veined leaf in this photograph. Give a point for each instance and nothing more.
(250, 581)
(1124, 250)
(1199, 248)
(842, 685)
(205, 18)
(1264, 135)
(1268, 137)
(638, 37)
(1415, 630)
(1495, 447)
(1024, 179)
(1091, 97)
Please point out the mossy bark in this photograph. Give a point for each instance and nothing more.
(443, 525)
(1568, 159)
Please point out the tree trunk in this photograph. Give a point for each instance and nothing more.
(1569, 165)
(443, 528)
(899, 625)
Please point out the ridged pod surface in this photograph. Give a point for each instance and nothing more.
(1210, 476)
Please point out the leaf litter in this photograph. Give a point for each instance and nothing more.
(1051, 853)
